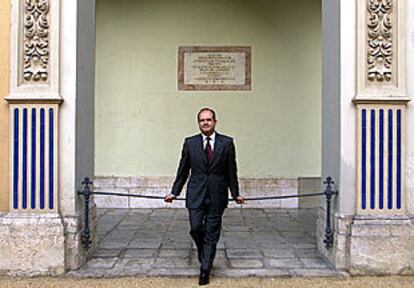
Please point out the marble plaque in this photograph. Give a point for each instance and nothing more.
(214, 68)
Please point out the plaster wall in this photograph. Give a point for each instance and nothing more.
(141, 117)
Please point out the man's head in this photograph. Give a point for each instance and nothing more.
(207, 121)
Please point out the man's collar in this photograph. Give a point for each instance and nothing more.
(212, 136)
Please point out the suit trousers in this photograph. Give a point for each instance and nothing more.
(205, 227)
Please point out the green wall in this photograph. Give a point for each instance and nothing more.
(141, 117)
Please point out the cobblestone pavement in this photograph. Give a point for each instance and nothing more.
(254, 242)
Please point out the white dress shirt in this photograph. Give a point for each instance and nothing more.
(212, 140)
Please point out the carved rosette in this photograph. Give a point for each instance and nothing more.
(36, 40)
(380, 48)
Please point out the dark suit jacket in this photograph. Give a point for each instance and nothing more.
(212, 179)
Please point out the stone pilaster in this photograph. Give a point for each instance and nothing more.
(32, 235)
(372, 209)
(381, 235)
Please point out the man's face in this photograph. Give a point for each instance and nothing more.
(206, 123)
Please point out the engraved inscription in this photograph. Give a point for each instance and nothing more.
(36, 40)
(214, 68)
(380, 48)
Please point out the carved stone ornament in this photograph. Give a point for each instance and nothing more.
(36, 40)
(380, 50)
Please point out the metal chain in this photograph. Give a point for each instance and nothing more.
(183, 199)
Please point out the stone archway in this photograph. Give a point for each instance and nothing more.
(357, 82)
(108, 117)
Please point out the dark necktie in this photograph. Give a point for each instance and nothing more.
(209, 152)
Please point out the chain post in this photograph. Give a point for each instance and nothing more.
(86, 192)
(329, 233)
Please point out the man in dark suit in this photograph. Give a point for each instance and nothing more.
(211, 158)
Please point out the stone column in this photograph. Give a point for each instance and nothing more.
(373, 226)
(51, 67)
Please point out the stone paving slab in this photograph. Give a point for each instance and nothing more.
(254, 242)
(307, 252)
(246, 263)
(146, 244)
(313, 263)
(287, 263)
(172, 262)
(139, 253)
(315, 273)
(106, 253)
(244, 253)
(102, 263)
(280, 253)
(176, 253)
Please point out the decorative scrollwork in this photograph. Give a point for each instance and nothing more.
(36, 40)
(380, 40)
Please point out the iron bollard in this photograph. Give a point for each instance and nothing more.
(329, 192)
(86, 192)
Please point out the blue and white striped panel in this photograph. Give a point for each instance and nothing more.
(381, 169)
(33, 157)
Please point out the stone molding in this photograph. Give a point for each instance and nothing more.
(381, 50)
(34, 73)
(160, 186)
(380, 34)
(36, 41)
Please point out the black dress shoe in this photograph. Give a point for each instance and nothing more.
(204, 277)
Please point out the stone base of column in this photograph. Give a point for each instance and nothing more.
(382, 245)
(32, 244)
(370, 245)
(76, 255)
(338, 254)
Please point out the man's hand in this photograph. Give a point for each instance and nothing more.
(239, 200)
(169, 198)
